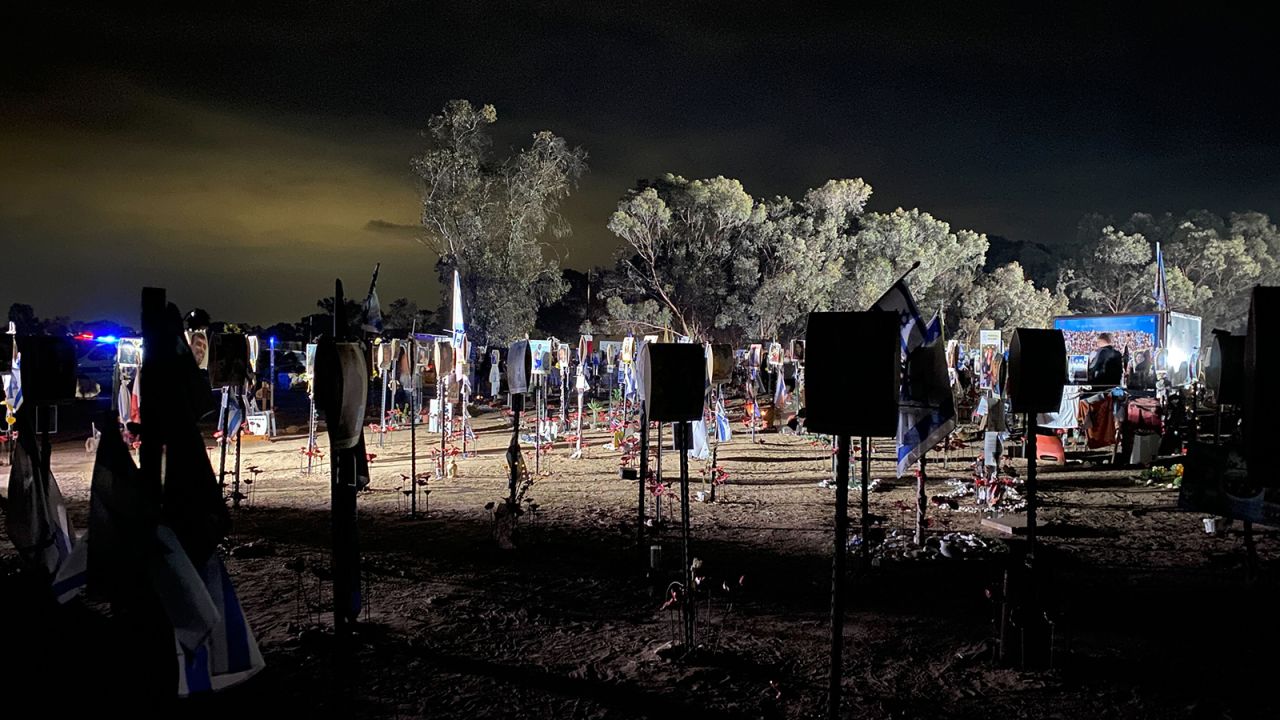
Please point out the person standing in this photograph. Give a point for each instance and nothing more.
(1106, 365)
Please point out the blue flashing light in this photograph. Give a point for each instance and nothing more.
(108, 339)
(272, 341)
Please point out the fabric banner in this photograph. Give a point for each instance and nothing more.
(228, 654)
(458, 327)
(926, 411)
(36, 515)
(370, 310)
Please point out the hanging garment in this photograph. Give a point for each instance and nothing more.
(1099, 421)
(1065, 418)
(1143, 415)
(495, 379)
(124, 403)
(700, 450)
(36, 516)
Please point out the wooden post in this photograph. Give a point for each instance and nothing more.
(538, 397)
(1030, 445)
(516, 401)
(413, 421)
(382, 419)
(644, 474)
(922, 502)
(222, 440)
(235, 487)
(865, 547)
(343, 486)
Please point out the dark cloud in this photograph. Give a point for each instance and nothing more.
(383, 227)
(241, 150)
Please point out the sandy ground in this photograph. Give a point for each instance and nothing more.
(1155, 618)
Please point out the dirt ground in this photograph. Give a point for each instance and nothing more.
(1154, 617)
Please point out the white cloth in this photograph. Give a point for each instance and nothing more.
(1065, 417)
(1145, 447)
(700, 449)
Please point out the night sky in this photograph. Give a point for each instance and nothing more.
(243, 157)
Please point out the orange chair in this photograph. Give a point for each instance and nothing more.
(1049, 447)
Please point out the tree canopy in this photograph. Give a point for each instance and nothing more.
(489, 217)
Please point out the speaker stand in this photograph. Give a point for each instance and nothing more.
(539, 398)
(382, 419)
(866, 485)
(235, 486)
(412, 424)
(222, 440)
(516, 401)
(1031, 446)
(682, 431)
(715, 448)
(838, 569)
(644, 473)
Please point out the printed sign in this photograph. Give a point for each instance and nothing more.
(541, 351)
(199, 342)
(129, 351)
(612, 349)
(990, 355)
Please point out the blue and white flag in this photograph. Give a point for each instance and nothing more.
(926, 410)
(370, 310)
(898, 300)
(780, 393)
(228, 654)
(36, 515)
(459, 327)
(1160, 293)
(13, 388)
(724, 430)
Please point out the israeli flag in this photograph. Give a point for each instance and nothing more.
(73, 574)
(36, 516)
(898, 299)
(926, 411)
(229, 653)
(370, 310)
(459, 328)
(13, 389)
(724, 431)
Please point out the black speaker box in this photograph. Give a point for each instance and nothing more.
(519, 367)
(853, 372)
(1037, 370)
(1262, 393)
(1225, 373)
(720, 363)
(675, 387)
(228, 359)
(48, 369)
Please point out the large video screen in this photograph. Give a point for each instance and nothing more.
(1130, 333)
(1182, 349)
